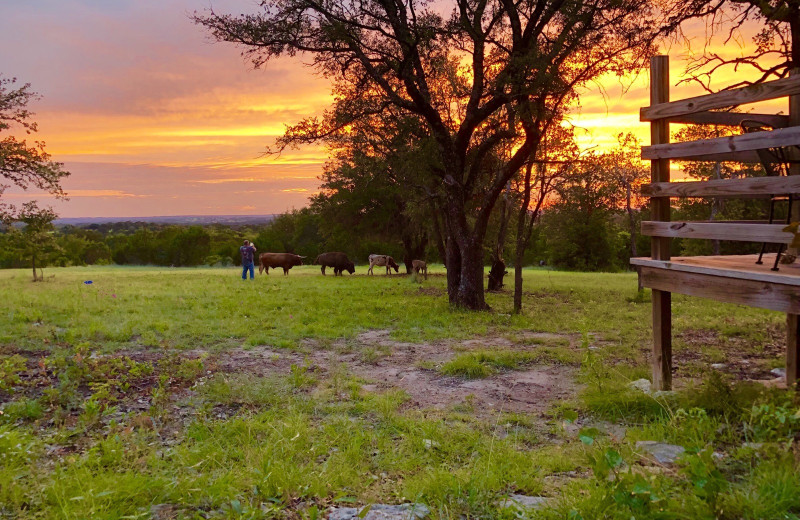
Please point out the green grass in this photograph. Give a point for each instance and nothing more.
(483, 363)
(84, 434)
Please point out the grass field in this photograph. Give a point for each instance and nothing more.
(188, 393)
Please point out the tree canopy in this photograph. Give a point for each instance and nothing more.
(488, 75)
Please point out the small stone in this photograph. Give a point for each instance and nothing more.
(663, 393)
(664, 453)
(641, 384)
(429, 443)
(380, 512)
(718, 366)
(523, 502)
(778, 372)
(163, 511)
(753, 445)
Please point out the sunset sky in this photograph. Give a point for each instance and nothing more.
(152, 118)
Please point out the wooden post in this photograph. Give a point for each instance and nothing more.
(660, 246)
(792, 350)
(792, 332)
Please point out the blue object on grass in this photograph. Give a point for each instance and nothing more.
(88, 282)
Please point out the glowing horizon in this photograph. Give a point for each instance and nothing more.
(153, 119)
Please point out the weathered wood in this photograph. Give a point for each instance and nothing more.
(792, 350)
(693, 150)
(662, 339)
(741, 267)
(660, 246)
(730, 119)
(764, 295)
(749, 187)
(769, 233)
(725, 99)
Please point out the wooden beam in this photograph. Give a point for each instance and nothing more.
(730, 119)
(770, 233)
(724, 145)
(749, 187)
(725, 99)
(660, 246)
(792, 350)
(773, 296)
(740, 267)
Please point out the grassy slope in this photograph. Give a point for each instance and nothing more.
(297, 442)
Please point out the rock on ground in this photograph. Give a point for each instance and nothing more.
(523, 502)
(664, 453)
(380, 512)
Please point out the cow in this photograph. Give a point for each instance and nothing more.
(338, 261)
(420, 266)
(382, 261)
(276, 260)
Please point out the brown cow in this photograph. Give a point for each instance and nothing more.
(338, 261)
(275, 260)
(382, 261)
(419, 265)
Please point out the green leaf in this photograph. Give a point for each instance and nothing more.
(364, 511)
(613, 458)
(588, 435)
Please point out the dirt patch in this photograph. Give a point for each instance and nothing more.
(384, 364)
(741, 357)
(431, 291)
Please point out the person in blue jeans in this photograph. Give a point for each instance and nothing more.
(248, 252)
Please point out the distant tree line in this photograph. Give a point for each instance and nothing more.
(586, 218)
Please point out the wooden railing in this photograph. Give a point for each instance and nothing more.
(717, 279)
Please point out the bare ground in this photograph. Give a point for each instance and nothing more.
(383, 363)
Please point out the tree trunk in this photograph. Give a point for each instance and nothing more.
(437, 232)
(498, 269)
(413, 250)
(522, 238)
(470, 287)
(631, 220)
(464, 256)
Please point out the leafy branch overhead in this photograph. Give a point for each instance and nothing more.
(23, 164)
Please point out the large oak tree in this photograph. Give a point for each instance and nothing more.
(488, 73)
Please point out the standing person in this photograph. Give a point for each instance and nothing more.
(248, 252)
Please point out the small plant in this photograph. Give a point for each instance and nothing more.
(10, 369)
(23, 409)
(299, 376)
(774, 422)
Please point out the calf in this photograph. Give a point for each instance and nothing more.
(420, 266)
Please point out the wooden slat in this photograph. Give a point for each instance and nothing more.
(725, 99)
(750, 187)
(693, 150)
(730, 119)
(773, 296)
(740, 267)
(770, 233)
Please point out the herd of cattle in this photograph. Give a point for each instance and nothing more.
(338, 261)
